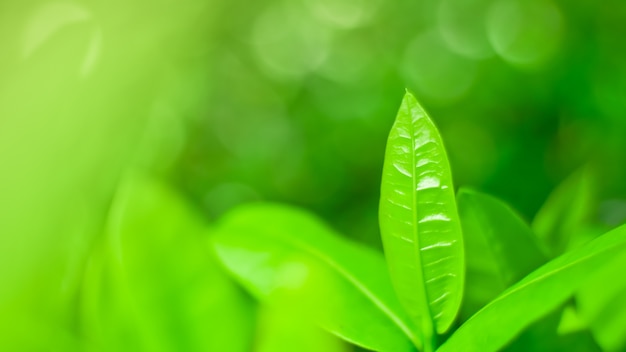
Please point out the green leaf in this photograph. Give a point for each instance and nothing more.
(153, 284)
(536, 295)
(281, 327)
(564, 222)
(546, 335)
(419, 223)
(560, 223)
(500, 248)
(596, 302)
(270, 247)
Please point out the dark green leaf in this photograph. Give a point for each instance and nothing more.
(419, 222)
(270, 246)
(500, 248)
(546, 335)
(536, 295)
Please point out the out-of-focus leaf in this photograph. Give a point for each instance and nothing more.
(561, 221)
(545, 335)
(600, 304)
(281, 326)
(280, 330)
(349, 284)
(419, 223)
(536, 295)
(500, 248)
(153, 284)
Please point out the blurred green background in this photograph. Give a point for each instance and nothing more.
(229, 102)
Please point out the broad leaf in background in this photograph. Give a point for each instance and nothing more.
(536, 295)
(419, 223)
(562, 220)
(500, 248)
(282, 326)
(348, 284)
(153, 284)
(61, 62)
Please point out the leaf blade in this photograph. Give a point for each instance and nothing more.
(255, 241)
(500, 248)
(596, 305)
(536, 295)
(419, 223)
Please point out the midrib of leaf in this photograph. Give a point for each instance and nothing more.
(426, 319)
(358, 284)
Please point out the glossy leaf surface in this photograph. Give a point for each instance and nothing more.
(500, 248)
(536, 295)
(561, 221)
(419, 223)
(270, 246)
(152, 283)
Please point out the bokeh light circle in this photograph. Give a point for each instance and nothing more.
(525, 33)
(435, 71)
(462, 27)
(290, 42)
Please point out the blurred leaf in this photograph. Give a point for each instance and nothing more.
(284, 331)
(536, 295)
(600, 304)
(153, 284)
(500, 248)
(348, 285)
(545, 335)
(281, 325)
(419, 224)
(562, 218)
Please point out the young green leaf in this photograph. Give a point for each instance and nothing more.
(267, 247)
(153, 284)
(561, 221)
(500, 248)
(419, 223)
(536, 295)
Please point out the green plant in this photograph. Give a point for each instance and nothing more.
(460, 273)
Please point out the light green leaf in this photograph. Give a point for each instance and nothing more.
(561, 221)
(269, 247)
(281, 326)
(500, 248)
(153, 284)
(419, 223)
(536, 295)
